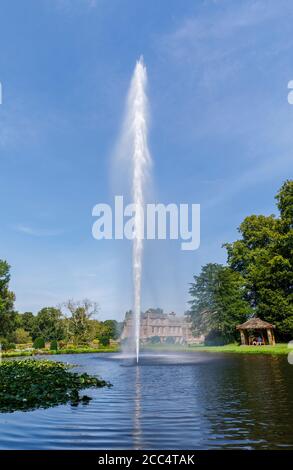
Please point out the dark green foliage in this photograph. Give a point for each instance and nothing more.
(285, 203)
(54, 345)
(106, 330)
(7, 298)
(113, 328)
(264, 258)
(28, 322)
(214, 338)
(39, 343)
(49, 324)
(218, 302)
(29, 384)
(104, 340)
(6, 344)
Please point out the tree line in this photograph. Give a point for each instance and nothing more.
(257, 280)
(72, 322)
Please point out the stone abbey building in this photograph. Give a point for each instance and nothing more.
(161, 327)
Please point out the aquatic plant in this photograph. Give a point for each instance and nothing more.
(29, 384)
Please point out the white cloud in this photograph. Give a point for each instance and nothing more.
(219, 41)
(37, 232)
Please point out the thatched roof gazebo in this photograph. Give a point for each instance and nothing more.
(256, 331)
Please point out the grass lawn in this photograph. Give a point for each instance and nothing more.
(280, 348)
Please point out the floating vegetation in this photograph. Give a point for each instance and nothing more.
(29, 384)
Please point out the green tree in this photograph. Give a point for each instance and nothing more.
(7, 298)
(80, 327)
(203, 300)
(28, 321)
(49, 324)
(218, 302)
(231, 306)
(22, 336)
(107, 330)
(113, 327)
(263, 257)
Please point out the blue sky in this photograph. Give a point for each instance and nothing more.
(221, 135)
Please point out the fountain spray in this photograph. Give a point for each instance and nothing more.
(138, 122)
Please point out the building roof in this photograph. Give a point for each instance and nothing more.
(255, 324)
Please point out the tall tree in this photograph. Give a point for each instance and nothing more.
(81, 329)
(264, 258)
(203, 302)
(218, 303)
(49, 324)
(27, 321)
(106, 330)
(7, 298)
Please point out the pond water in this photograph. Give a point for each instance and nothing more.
(176, 401)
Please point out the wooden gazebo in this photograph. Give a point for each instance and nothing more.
(259, 328)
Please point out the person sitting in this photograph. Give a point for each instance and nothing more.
(259, 341)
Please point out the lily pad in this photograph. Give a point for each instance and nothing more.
(29, 384)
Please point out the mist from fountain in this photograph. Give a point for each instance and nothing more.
(133, 152)
(138, 109)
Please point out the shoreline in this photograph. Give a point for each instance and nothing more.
(280, 349)
(48, 352)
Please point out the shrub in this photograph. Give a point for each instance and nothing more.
(21, 336)
(104, 340)
(215, 338)
(6, 344)
(155, 340)
(39, 343)
(54, 345)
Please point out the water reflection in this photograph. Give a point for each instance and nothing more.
(249, 403)
(195, 401)
(137, 431)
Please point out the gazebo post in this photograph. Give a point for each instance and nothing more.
(271, 337)
(243, 338)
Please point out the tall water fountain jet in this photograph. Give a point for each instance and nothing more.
(138, 129)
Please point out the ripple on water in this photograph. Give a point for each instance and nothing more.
(201, 401)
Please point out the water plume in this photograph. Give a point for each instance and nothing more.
(138, 109)
(133, 148)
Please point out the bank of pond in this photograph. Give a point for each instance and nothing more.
(52, 352)
(277, 349)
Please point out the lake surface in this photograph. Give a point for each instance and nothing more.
(176, 401)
